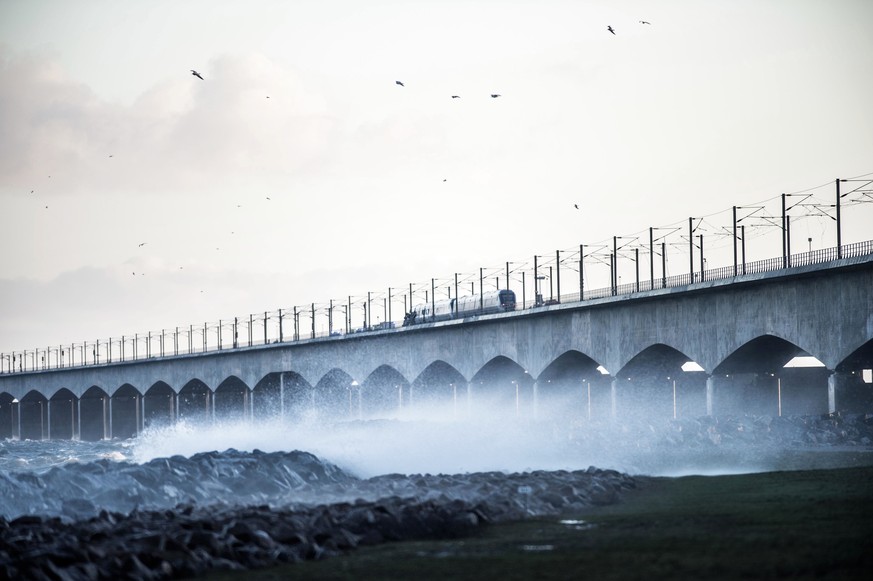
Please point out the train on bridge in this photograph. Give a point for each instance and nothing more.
(499, 301)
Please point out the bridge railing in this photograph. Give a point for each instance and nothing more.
(173, 342)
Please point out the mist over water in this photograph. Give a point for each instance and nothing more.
(304, 458)
(369, 448)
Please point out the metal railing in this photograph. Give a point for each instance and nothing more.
(297, 324)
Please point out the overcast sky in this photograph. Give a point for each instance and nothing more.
(135, 196)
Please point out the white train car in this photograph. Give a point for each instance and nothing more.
(491, 302)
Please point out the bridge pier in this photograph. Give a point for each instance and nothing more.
(613, 398)
(847, 392)
(710, 394)
(536, 385)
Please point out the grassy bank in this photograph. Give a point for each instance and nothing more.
(799, 524)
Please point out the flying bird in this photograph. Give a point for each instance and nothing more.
(196, 74)
(399, 83)
(268, 197)
(609, 28)
(576, 206)
(494, 96)
(644, 22)
(456, 96)
(143, 244)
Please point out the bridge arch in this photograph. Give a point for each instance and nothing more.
(283, 395)
(653, 383)
(337, 397)
(440, 390)
(63, 415)
(852, 382)
(34, 416)
(195, 402)
(231, 400)
(8, 416)
(158, 405)
(94, 414)
(125, 414)
(384, 393)
(572, 387)
(502, 388)
(754, 380)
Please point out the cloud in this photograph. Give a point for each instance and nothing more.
(249, 116)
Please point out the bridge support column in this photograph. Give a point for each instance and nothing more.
(282, 397)
(710, 395)
(536, 399)
(839, 388)
(79, 418)
(49, 422)
(110, 418)
(469, 398)
(613, 398)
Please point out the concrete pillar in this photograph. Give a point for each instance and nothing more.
(469, 398)
(110, 418)
(588, 396)
(838, 382)
(710, 395)
(536, 403)
(282, 397)
(613, 398)
(78, 418)
(48, 412)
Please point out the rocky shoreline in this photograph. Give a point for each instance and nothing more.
(326, 511)
(191, 540)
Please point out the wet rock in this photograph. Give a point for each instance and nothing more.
(192, 539)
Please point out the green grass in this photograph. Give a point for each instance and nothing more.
(801, 524)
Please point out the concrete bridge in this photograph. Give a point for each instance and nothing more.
(580, 361)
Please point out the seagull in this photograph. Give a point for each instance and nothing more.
(456, 96)
(399, 83)
(196, 74)
(609, 28)
(268, 197)
(143, 244)
(576, 206)
(644, 22)
(494, 96)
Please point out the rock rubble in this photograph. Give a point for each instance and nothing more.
(190, 540)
